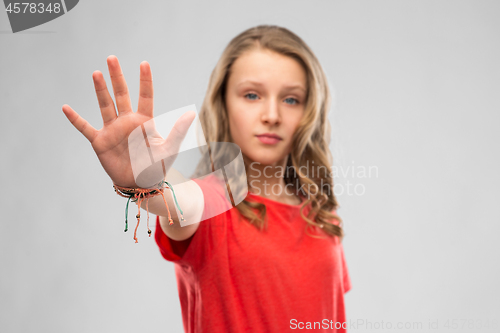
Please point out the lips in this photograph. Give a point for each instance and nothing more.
(269, 135)
(269, 138)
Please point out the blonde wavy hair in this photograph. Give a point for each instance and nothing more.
(310, 140)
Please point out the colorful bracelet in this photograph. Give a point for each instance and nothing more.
(139, 194)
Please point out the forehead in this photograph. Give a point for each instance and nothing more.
(268, 68)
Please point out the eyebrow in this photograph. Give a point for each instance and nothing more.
(288, 87)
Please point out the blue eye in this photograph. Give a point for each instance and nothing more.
(251, 94)
(296, 101)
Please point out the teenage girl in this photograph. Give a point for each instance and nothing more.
(275, 261)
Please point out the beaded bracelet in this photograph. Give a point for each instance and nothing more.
(139, 194)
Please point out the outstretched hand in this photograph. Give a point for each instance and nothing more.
(110, 143)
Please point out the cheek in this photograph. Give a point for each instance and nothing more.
(293, 123)
(243, 133)
(237, 127)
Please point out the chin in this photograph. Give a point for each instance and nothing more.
(264, 158)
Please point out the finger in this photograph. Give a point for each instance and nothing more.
(179, 131)
(146, 91)
(106, 104)
(80, 124)
(119, 86)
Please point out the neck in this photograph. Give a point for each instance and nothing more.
(267, 180)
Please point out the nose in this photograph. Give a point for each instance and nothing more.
(271, 112)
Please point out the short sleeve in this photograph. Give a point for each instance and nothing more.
(170, 249)
(200, 247)
(346, 281)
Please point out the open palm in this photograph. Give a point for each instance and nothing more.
(110, 143)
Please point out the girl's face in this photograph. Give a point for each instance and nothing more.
(265, 94)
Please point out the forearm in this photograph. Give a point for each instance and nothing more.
(189, 197)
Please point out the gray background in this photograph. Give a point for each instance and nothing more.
(416, 87)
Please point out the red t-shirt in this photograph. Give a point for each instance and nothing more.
(231, 277)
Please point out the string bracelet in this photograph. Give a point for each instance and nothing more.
(138, 195)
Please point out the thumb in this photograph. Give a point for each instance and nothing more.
(149, 172)
(178, 132)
